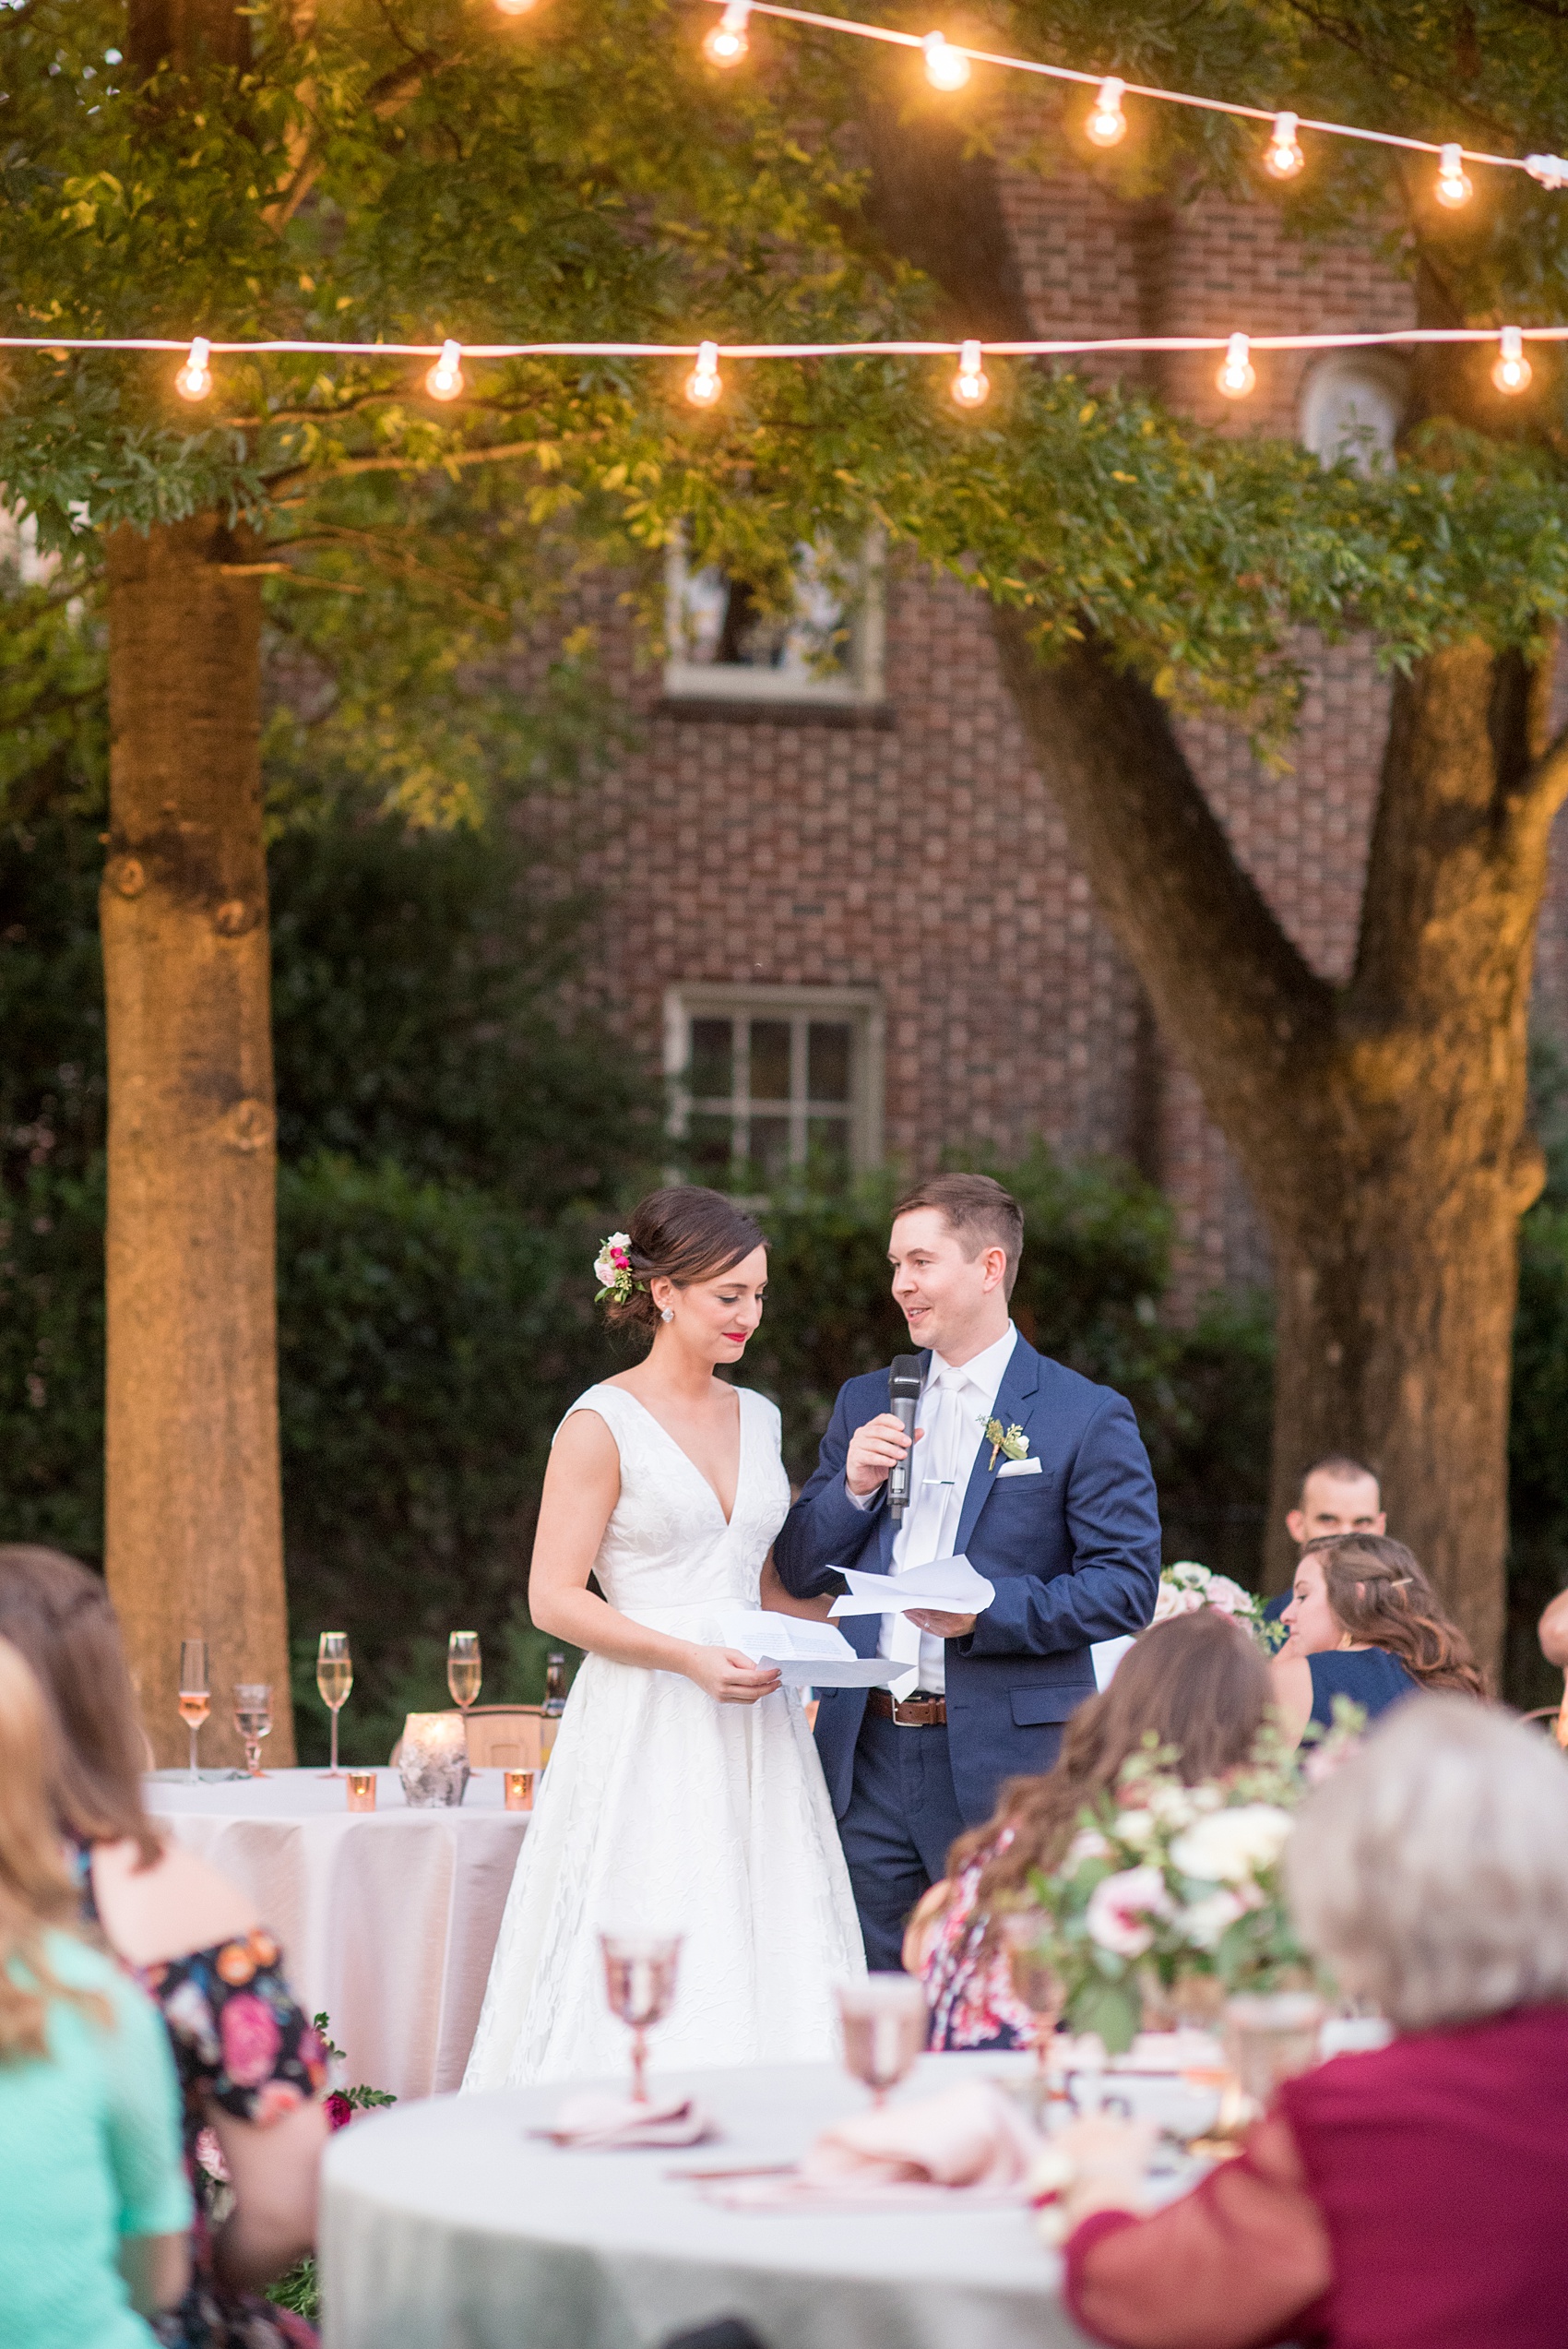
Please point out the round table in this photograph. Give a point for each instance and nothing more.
(448, 2227)
(388, 1918)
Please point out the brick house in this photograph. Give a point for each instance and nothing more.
(842, 907)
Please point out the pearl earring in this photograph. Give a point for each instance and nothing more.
(668, 1313)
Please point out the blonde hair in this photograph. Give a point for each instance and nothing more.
(1431, 1869)
(36, 1891)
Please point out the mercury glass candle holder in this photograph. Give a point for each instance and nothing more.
(433, 1763)
(518, 1785)
(361, 1790)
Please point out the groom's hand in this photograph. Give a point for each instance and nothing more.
(942, 1626)
(874, 1450)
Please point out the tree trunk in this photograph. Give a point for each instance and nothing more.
(193, 1537)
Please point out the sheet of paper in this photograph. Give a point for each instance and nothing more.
(950, 1585)
(808, 1654)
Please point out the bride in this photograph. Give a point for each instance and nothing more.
(683, 1793)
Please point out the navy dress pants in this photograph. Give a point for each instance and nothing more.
(903, 1814)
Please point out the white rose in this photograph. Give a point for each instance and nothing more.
(1135, 1827)
(1175, 1599)
(1206, 1922)
(606, 1271)
(1229, 1846)
(1089, 1844)
(1118, 1908)
(1230, 1597)
(1173, 1806)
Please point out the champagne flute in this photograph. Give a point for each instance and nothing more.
(195, 1694)
(334, 1678)
(1036, 1984)
(885, 2024)
(465, 1668)
(639, 1982)
(253, 1719)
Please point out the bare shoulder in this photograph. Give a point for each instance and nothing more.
(1293, 1678)
(176, 1905)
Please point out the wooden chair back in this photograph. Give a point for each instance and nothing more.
(503, 1736)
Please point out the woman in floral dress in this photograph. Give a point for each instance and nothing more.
(1197, 1684)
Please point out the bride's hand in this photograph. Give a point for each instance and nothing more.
(729, 1677)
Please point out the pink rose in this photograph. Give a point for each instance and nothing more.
(339, 2112)
(1118, 1908)
(250, 2040)
(278, 2098)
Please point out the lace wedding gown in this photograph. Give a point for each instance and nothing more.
(661, 1810)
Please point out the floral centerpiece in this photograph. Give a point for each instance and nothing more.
(1169, 1897)
(1186, 1586)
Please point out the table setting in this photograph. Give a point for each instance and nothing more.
(386, 1887)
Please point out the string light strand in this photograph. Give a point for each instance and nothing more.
(1549, 171)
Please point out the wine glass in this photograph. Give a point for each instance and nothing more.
(253, 1719)
(334, 1678)
(884, 2025)
(465, 1669)
(1036, 1984)
(639, 1982)
(195, 1694)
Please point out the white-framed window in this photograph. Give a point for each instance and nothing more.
(827, 652)
(1352, 405)
(775, 1083)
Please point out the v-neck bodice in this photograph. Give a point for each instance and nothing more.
(668, 1544)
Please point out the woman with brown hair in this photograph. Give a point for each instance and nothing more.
(1365, 1623)
(250, 2063)
(93, 2237)
(683, 1792)
(1198, 1685)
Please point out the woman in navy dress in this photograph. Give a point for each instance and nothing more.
(1365, 1623)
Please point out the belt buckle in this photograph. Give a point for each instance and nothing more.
(898, 1704)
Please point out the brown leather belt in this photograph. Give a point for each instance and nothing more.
(914, 1712)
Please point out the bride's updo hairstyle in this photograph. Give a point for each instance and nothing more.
(680, 1234)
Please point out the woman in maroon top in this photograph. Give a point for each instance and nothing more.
(1414, 2198)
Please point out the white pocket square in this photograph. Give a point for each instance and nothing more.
(1019, 1468)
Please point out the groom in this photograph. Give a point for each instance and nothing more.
(1063, 1521)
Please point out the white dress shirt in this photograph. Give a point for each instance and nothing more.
(955, 1402)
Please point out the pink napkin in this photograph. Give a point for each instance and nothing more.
(969, 2145)
(603, 2123)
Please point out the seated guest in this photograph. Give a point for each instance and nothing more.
(251, 2064)
(1365, 1623)
(94, 2209)
(1200, 1684)
(1414, 2197)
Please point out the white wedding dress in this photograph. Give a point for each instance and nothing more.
(661, 1810)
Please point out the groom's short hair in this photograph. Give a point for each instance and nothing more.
(978, 1213)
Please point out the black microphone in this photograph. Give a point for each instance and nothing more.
(903, 1401)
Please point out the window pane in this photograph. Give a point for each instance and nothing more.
(770, 1150)
(770, 1060)
(827, 1061)
(710, 1077)
(828, 1152)
(710, 1142)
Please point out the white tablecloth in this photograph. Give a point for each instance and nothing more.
(388, 1918)
(447, 2227)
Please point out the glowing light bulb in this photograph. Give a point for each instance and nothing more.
(514, 8)
(946, 68)
(195, 378)
(727, 43)
(1236, 376)
(1453, 180)
(1284, 158)
(1511, 371)
(705, 383)
(971, 384)
(444, 380)
(1108, 124)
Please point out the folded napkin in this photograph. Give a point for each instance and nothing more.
(603, 2124)
(969, 2145)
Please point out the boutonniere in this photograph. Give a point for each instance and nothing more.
(1011, 1440)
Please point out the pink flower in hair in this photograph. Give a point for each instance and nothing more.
(250, 2040)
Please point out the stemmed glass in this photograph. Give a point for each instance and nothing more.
(639, 1982)
(195, 1694)
(465, 1669)
(885, 2024)
(253, 1719)
(1035, 1984)
(334, 1678)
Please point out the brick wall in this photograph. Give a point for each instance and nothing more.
(921, 853)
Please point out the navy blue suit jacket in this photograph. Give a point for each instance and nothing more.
(1074, 1553)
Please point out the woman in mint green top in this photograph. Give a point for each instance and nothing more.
(89, 2155)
